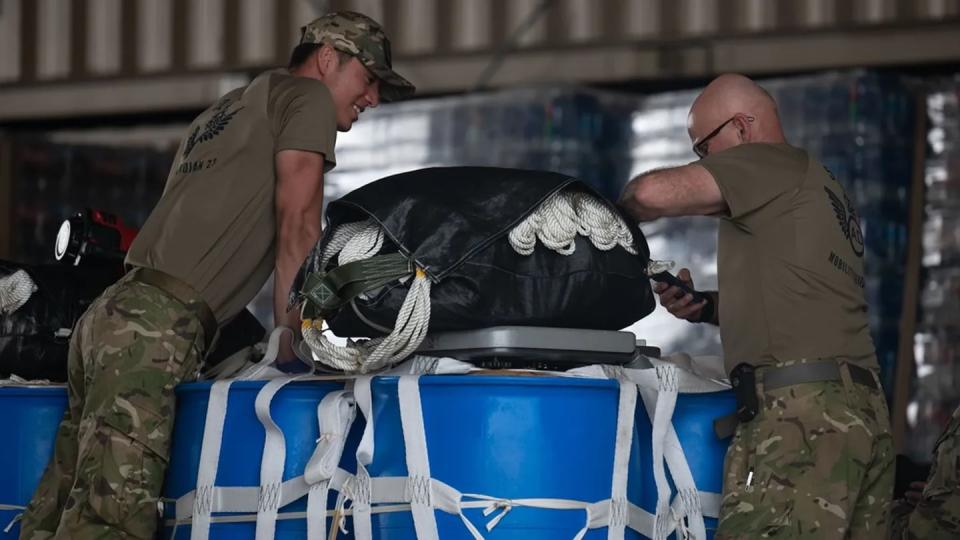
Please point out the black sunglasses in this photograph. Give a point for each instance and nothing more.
(700, 148)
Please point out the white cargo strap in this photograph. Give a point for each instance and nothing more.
(16, 518)
(246, 499)
(626, 413)
(360, 488)
(659, 388)
(660, 404)
(419, 487)
(272, 461)
(665, 401)
(335, 415)
(265, 368)
(209, 460)
(424, 494)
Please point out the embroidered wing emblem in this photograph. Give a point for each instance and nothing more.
(839, 210)
(213, 127)
(847, 218)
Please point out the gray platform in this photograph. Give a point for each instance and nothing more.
(531, 347)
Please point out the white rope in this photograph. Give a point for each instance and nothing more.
(339, 238)
(558, 221)
(356, 242)
(365, 356)
(15, 290)
(362, 245)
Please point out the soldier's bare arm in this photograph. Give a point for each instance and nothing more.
(689, 190)
(299, 200)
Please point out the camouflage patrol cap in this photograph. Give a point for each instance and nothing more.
(363, 38)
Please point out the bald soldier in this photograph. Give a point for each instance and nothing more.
(242, 201)
(811, 455)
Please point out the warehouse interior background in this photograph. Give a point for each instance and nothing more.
(96, 94)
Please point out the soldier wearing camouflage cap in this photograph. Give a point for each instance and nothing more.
(243, 200)
(363, 38)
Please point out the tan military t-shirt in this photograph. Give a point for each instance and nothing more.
(215, 225)
(790, 260)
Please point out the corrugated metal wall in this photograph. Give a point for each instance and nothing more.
(445, 44)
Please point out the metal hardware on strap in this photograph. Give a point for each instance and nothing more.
(779, 377)
(183, 293)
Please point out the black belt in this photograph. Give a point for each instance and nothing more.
(183, 293)
(779, 377)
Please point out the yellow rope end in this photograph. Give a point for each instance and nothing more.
(421, 273)
(307, 324)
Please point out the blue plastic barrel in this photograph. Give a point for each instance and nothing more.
(31, 417)
(693, 420)
(511, 437)
(293, 409)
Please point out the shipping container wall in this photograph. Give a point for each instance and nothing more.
(445, 44)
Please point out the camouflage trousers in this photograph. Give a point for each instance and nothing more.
(816, 462)
(129, 350)
(937, 513)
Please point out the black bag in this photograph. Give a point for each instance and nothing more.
(453, 224)
(34, 339)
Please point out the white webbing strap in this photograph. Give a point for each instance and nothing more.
(17, 517)
(419, 488)
(246, 499)
(335, 415)
(272, 461)
(209, 460)
(667, 450)
(665, 401)
(659, 388)
(240, 498)
(626, 412)
(359, 488)
(396, 489)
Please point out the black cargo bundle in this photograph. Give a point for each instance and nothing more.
(34, 338)
(453, 224)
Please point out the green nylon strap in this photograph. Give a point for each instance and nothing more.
(330, 291)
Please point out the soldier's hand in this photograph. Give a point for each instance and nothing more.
(287, 354)
(677, 302)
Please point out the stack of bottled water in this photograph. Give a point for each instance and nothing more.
(575, 131)
(936, 388)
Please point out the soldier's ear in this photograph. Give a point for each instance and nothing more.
(326, 59)
(743, 124)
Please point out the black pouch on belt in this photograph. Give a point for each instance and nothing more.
(744, 382)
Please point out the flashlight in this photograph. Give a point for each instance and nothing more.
(92, 233)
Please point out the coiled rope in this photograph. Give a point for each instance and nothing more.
(558, 221)
(15, 290)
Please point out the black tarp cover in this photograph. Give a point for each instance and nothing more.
(453, 222)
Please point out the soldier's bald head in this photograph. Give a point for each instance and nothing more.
(730, 95)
